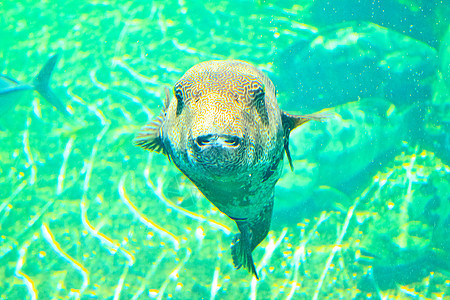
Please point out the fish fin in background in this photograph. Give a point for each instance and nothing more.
(290, 122)
(41, 85)
(149, 136)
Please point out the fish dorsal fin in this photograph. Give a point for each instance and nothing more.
(290, 122)
(149, 137)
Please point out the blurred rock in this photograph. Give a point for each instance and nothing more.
(444, 55)
(356, 60)
(356, 143)
(422, 20)
(335, 160)
(408, 228)
(437, 119)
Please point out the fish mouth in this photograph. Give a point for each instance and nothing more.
(208, 141)
(220, 155)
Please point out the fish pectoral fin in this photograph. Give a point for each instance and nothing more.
(150, 136)
(241, 253)
(290, 122)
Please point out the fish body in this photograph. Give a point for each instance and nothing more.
(10, 93)
(223, 128)
(12, 90)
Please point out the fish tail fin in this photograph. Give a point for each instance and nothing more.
(241, 253)
(41, 85)
(252, 232)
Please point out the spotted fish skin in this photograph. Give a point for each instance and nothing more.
(223, 129)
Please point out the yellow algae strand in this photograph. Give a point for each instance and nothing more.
(174, 274)
(270, 248)
(157, 190)
(105, 87)
(119, 287)
(136, 100)
(215, 286)
(19, 188)
(336, 248)
(37, 108)
(106, 123)
(145, 79)
(150, 273)
(143, 219)
(27, 150)
(299, 254)
(29, 283)
(62, 171)
(48, 235)
(95, 81)
(102, 237)
(411, 178)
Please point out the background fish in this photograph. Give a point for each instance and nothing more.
(11, 90)
(224, 130)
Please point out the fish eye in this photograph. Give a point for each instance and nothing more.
(259, 100)
(259, 93)
(257, 89)
(179, 95)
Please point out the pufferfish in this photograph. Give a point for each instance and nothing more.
(223, 129)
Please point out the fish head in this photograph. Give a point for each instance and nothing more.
(221, 120)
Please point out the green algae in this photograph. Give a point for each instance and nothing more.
(85, 214)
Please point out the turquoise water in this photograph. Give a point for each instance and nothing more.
(85, 214)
